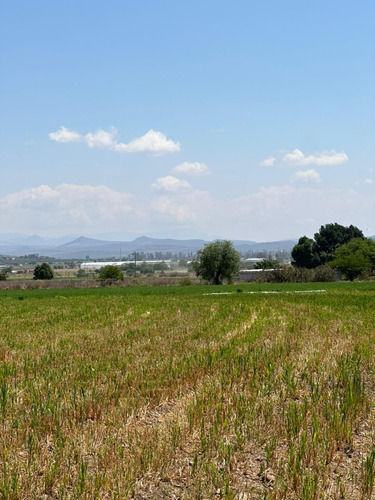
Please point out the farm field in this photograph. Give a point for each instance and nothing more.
(177, 392)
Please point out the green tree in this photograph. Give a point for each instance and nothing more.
(312, 253)
(145, 268)
(331, 236)
(3, 276)
(43, 272)
(160, 266)
(217, 262)
(355, 257)
(111, 273)
(304, 254)
(268, 264)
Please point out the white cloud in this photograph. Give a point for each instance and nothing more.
(268, 162)
(306, 176)
(188, 207)
(153, 142)
(279, 212)
(168, 209)
(101, 139)
(171, 184)
(68, 206)
(296, 157)
(271, 213)
(191, 168)
(368, 181)
(65, 135)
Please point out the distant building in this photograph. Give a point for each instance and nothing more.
(92, 266)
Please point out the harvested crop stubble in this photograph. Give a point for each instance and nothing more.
(187, 396)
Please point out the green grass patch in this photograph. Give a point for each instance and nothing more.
(192, 290)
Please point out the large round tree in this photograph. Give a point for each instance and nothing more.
(331, 236)
(304, 254)
(217, 262)
(43, 272)
(111, 273)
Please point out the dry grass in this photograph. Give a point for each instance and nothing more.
(189, 396)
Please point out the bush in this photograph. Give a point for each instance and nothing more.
(367, 276)
(325, 274)
(289, 274)
(185, 281)
(111, 273)
(3, 276)
(298, 275)
(355, 258)
(81, 273)
(292, 274)
(268, 264)
(43, 272)
(161, 266)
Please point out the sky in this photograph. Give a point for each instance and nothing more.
(167, 118)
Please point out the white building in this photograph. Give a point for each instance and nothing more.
(92, 266)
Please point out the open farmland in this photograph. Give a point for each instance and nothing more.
(173, 393)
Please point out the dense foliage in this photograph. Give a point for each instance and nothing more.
(132, 269)
(217, 262)
(294, 274)
(268, 264)
(111, 273)
(355, 257)
(304, 254)
(311, 253)
(331, 236)
(43, 272)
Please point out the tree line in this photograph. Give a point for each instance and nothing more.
(340, 247)
(334, 246)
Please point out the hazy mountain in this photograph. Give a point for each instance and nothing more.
(93, 248)
(34, 240)
(83, 242)
(267, 246)
(81, 247)
(12, 237)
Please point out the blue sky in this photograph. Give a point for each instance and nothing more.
(242, 120)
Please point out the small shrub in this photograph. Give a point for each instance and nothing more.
(136, 282)
(324, 274)
(185, 281)
(288, 274)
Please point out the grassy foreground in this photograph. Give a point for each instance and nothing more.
(172, 393)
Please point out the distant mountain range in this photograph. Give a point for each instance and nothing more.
(91, 248)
